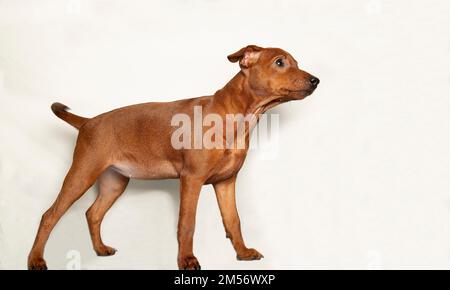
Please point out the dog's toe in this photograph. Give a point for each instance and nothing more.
(188, 263)
(105, 251)
(37, 264)
(249, 255)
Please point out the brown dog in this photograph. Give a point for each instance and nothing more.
(135, 142)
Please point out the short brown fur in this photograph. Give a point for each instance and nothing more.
(135, 142)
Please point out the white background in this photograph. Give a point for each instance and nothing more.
(361, 179)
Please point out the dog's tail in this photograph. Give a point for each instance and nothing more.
(60, 111)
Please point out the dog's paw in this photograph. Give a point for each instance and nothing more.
(188, 263)
(105, 251)
(249, 254)
(37, 264)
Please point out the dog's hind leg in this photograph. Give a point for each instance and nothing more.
(85, 169)
(111, 186)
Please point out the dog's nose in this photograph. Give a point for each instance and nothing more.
(314, 81)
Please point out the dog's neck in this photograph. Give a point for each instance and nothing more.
(238, 97)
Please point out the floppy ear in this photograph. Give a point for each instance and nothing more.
(247, 56)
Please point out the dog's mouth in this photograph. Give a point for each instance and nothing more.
(299, 94)
(288, 95)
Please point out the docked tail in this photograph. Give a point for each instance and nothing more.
(60, 111)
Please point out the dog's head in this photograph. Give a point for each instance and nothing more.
(274, 72)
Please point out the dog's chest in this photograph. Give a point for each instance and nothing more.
(231, 162)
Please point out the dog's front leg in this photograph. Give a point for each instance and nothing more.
(225, 193)
(189, 192)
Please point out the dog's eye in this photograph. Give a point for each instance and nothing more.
(279, 62)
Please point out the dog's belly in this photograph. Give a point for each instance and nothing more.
(160, 170)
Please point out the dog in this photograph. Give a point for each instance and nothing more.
(136, 142)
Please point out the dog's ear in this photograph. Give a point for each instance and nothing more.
(247, 56)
